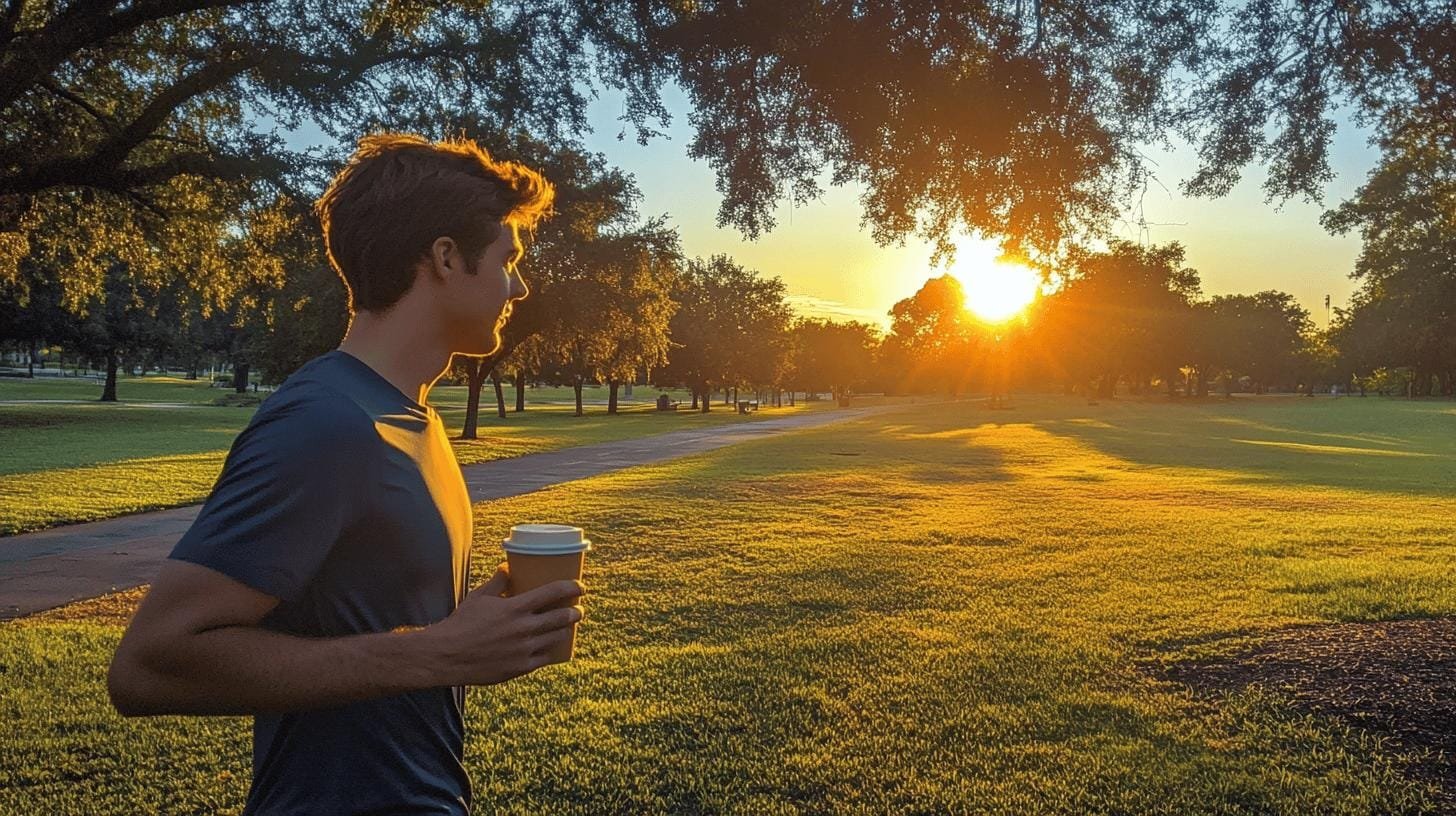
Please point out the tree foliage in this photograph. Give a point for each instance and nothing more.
(834, 357)
(730, 329)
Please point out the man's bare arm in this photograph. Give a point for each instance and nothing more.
(195, 647)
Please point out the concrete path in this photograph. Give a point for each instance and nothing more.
(54, 567)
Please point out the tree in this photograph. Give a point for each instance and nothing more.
(934, 338)
(1404, 314)
(608, 315)
(640, 271)
(727, 316)
(1271, 87)
(122, 322)
(31, 312)
(834, 357)
(304, 318)
(1266, 337)
(1122, 314)
(125, 97)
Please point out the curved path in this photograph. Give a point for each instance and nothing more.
(54, 567)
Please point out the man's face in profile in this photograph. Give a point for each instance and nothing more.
(480, 303)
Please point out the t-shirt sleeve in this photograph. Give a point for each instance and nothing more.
(295, 479)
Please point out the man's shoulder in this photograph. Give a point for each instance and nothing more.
(314, 413)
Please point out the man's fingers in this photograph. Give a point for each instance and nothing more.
(554, 620)
(556, 593)
(497, 584)
(542, 645)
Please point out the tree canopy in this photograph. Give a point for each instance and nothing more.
(1019, 118)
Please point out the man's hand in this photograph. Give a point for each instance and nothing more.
(490, 638)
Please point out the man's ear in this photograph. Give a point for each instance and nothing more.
(445, 258)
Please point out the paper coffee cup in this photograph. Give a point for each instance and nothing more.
(541, 553)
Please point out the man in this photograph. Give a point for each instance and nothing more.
(323, 586)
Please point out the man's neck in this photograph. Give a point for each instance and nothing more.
(394, 345)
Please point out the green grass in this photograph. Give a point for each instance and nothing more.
(154, 388)
(940, 610)
(64, 463)
(158, 388)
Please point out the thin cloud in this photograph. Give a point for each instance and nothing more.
(811, 306)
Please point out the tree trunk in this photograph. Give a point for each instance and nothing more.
(735, 397)
(695, 399)
(520, 391)
(576, 386)
(500, 393)
(612, 386)
(474, 381)
(30, 360)
(791, 399)
(240, 377)
(707, 400)
(108, 394)
(726, 397)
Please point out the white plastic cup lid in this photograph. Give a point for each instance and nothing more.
(546, 539)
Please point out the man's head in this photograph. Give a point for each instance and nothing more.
(437, 222)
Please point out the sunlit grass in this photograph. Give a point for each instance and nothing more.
(940, 610)
(155, 388)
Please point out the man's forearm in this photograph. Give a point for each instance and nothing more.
(250, 670)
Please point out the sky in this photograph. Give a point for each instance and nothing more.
(832, 267)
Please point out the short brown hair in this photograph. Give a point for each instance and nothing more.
(398, 193)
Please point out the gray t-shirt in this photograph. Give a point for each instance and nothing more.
(343, 499)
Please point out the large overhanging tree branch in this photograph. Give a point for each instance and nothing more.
(101, 95)
(31, 55)
(1023, 119)
(1027, 119)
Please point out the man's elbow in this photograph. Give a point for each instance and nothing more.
(128, 687)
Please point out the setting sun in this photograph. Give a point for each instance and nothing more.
(996, 290)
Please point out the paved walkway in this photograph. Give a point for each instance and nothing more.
(54, 567)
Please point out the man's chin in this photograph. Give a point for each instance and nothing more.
(483, 347)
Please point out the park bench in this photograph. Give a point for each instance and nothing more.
(747, 406)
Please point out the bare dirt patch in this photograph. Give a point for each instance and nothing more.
(1394, 679)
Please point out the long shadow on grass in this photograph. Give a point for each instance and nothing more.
(1373, 444)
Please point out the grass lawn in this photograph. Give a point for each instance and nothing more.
(155, 388)
(943, 609)
(64, 463)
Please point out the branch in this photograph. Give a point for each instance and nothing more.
(44, 49)
(13, 9)
(163, 104)
(111, 124)
(106, 159)
(83, 172)
(103, 166)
